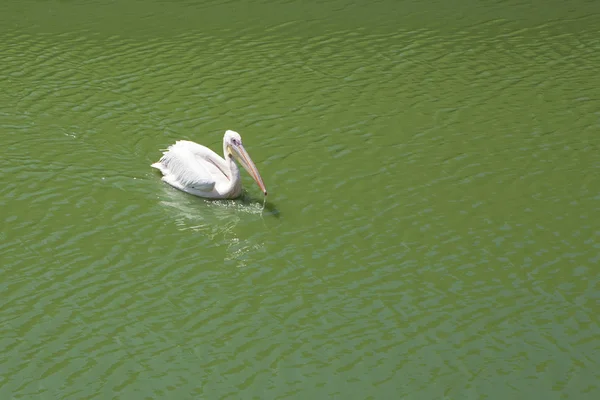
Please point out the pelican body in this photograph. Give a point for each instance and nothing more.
(198, 170)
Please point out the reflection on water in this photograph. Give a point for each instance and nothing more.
(214, 219)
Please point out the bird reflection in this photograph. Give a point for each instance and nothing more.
(215, 219)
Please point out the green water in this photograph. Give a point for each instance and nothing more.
(432, 229)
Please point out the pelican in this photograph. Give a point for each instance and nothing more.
(198, 170)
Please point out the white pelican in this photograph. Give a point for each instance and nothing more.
(198, 170)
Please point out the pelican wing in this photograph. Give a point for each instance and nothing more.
(189, 169)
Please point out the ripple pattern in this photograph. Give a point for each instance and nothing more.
(432, 231)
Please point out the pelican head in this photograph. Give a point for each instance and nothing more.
(234, 149)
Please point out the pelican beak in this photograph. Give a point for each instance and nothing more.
(243, 158)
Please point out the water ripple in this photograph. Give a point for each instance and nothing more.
(433, 216)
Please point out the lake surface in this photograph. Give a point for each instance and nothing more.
(432, 229)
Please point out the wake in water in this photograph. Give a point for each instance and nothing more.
(210, 216)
